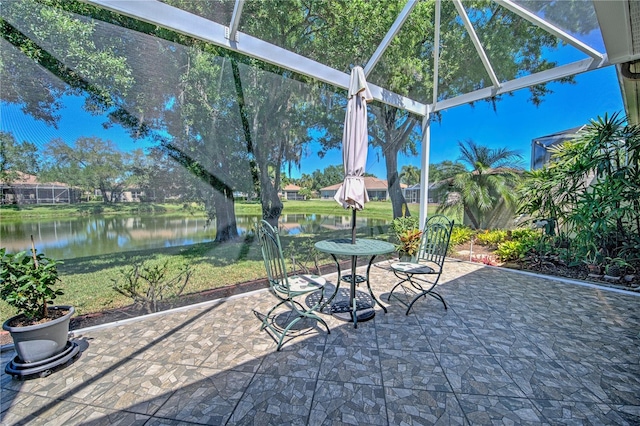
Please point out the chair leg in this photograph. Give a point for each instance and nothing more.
(294, 321)
(425, 293)
(299, 311)
(266, 318)
(439, 297)
(394, 288)
(317, 318)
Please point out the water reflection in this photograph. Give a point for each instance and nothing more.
(97, 235)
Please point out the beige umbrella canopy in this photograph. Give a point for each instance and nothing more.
(355, 140)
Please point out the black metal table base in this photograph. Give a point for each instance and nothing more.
(344, 311)
(359, 278)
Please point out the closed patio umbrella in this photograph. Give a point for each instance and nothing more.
(355, 140)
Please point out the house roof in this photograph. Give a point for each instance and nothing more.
(553, 138)
(292, 187)
(370, 182)
(27, 179)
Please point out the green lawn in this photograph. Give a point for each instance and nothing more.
(13, 212)
(88, 282)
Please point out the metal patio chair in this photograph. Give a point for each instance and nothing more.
(287, 288)
(420, 276)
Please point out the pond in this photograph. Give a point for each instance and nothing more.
(99, 235)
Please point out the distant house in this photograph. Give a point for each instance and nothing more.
(291, 192)
(27, 189)
(132, 195)
(541, 147)
(412, 193)
(377, 189)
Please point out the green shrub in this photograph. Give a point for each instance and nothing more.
(27, 282)
(522, 241)
(407, 234)
(403, 224)
(522, 234)
(512, 250)
(147, 283)
(460, 234)
(491, 238)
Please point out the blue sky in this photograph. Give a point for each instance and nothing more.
(514, 124)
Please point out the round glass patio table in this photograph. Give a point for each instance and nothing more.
(355, 309)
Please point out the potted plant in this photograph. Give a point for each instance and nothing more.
(407, 234)
(39, 332)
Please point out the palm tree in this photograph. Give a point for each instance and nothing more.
(490, 182)
(410, 174)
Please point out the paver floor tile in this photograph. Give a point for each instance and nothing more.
(561, 345)
(346, 335)
(84, 380)
(237, 355)
(477, 374)
(410, 337)
(546, 379)
(413, 370)
(483, 318)
(99, 416)
(511, 349)
(491, 410)
(455, 340)
(580, 413)
(351, 364)
(295, 360)
(631, 413)
(119, 344)
(24, 408)
(423, 407)
(340, 403)
(613, 383)
(210, 400)
(271, 400)
(148, 385)
(159, 421)
(506, 343)
(181, 348)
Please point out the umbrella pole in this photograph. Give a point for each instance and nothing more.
(353, 226)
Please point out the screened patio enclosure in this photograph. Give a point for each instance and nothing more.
(224, 96)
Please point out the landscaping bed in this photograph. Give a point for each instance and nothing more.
(554, 267)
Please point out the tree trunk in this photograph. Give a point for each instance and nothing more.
(394, 139)
(103, 192)
(271, 203)
(471, 216)
(393, 181)
(226, 225)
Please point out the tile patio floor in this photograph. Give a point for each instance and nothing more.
(511, 349)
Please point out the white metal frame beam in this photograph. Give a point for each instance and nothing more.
(545, 25)
(476, 42)
(166, 16)
(170, 17)
(424, 169)
(235, 20)
(395, 28)
(436, 51)
(546, 76)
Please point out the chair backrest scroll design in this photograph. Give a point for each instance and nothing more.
(435, 240)
(273, 258)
